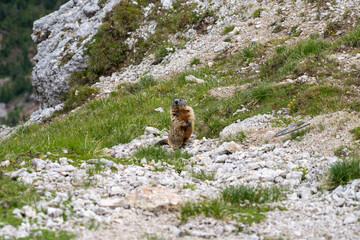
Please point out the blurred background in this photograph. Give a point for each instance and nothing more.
(17, 100)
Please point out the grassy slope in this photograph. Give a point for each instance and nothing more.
(123, 116)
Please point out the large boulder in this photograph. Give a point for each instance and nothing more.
(61, 36)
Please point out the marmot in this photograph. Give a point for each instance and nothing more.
(182, 124)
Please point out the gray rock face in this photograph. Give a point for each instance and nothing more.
(61, 36)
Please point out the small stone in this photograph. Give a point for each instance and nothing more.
(193, 79)
(251, 237)
(17, 212)
(54, 212)
(63, 161)
(65, 151)
(221, 159)
(210, 64)
(143, 161)
(155, 199)
(38, 163)
(117, 191)
(29, 212)
(202, 234)
(286, 144)
(220, 47)
(151, 130)
(159, 109)
(351, 219)
(338, 201)
(113, 203)
(5, 163)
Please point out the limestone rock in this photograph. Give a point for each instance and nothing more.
(155, 199)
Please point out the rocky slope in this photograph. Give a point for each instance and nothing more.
(135, 201)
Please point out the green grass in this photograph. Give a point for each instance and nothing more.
(49, 235)
(189, 186)
(175, 158)
(125, 114)
(194, 61)
(343, 171)
(228, 29)
(203, 175)
(97, 168)
(298, 135)
(356, 133)
(257, 13)
(14, 194)
(242, 203)
(286, 59)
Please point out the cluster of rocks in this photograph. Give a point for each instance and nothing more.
(145, 201)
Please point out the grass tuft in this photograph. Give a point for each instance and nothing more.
(356, 133)
(244, 194)
(194, 61)
(241, 203)
(203, 175)
(341, 172)
(257, 13)
(228, 29)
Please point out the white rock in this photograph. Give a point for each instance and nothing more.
(54, 212)
(113, 203)
(159, 109)
(117, 191)
(351, 219)
(193, 79)
(5, 163)
(167, 3)
(29, 212)
(221, 47)
(152, 130)
(38, 163)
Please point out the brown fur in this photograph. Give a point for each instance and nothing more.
(182, 124)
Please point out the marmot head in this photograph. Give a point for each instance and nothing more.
(178, 102)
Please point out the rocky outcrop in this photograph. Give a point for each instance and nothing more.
(61, 36)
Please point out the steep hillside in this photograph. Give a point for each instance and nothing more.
(276, 148)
